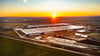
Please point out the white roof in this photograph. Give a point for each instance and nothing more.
(48, 25)
(42, 30)
(50, 29)
(38, 37)
(81, 30)
(75, 27)
(81, 35)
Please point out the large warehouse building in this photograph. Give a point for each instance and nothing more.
(61, 33)
(37, 29)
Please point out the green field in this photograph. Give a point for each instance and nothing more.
(9, 47)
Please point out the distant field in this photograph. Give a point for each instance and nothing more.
(9, 47)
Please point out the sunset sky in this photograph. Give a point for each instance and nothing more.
(41, 8)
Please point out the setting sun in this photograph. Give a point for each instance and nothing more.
(49, 8)
(54, 15)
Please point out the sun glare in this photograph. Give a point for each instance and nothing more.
(54, 15)
(25, 1)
